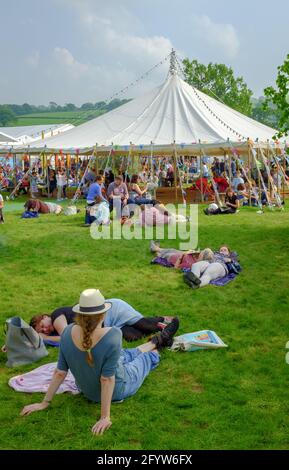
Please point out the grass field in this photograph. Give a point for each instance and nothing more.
(235, 398)
(71, 117)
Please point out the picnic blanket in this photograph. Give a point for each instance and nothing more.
(38, 380)
(222, 281)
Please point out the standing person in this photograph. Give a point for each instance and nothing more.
(61, 184)
(103, 370)
(52, 182)
(237, 180)
(1, 209)
(33, 183)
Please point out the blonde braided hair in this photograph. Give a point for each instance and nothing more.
(88, 323)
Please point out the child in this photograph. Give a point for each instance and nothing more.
(1, 209)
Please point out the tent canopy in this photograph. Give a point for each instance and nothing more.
(173, 112)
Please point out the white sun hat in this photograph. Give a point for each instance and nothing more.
(91, 302)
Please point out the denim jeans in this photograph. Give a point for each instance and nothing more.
(137, 366)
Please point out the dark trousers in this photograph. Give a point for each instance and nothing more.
(143, 327)
(1, 215)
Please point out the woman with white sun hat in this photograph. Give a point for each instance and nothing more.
(103, 370)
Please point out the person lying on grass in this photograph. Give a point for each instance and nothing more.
(133, 324)
(103, 370)
(203, 272)
(35, 205)
(181, 259)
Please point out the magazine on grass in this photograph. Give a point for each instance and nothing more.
(205, 339)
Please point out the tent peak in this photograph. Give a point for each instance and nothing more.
(173, 63)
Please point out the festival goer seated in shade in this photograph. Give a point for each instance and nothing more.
(136, 195)
(243, 195)
(221, 182)
(133, 324)
(204, 272)
(117, 194)
(103, 370)
(237, 180)
(35, 205)
(203, 185)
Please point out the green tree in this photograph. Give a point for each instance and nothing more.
(218, 81)
(279, 97)
(6, 115)
(268, 115)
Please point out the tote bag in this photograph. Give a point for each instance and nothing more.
(23, 343)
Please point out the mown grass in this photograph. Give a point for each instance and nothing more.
(72, 117)
(229, 399)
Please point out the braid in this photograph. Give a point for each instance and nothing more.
(88, 323)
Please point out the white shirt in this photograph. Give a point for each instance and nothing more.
(1, 198)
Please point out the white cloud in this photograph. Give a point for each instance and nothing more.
(217, 35)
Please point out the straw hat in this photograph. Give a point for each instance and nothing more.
(91, 302)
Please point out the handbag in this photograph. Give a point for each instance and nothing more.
(23, 344)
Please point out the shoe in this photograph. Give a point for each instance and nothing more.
(206, 212)
(165, 338)
(191, 284)
(168, 320)
(193, 278)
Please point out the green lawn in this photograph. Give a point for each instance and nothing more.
(228, 399)
(72, 117)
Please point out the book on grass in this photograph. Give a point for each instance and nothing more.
(205, 339)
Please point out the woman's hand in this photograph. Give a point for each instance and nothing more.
(27, 410)
(101, 426)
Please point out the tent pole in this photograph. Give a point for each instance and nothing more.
(175, 173)
(201, 175)
(250, 172)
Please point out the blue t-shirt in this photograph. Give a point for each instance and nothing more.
(121, 314)
(107, 363)
(93, 192)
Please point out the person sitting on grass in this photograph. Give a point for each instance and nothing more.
(95, 198)
(232, 205)
(203, 272)
(133, 324)
(103, 370)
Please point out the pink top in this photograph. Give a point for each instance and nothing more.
(188, 260)
(151, 216)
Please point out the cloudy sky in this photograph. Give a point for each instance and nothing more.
(86, 50)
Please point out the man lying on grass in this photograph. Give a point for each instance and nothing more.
(133, 324)
(102, 369)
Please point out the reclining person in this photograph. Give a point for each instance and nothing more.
(180, 259)
(35, 205)
(133, 324)
(103, 370)
(203, 272)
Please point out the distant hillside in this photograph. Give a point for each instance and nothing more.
(29, 115)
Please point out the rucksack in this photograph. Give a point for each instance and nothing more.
(23, 344)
